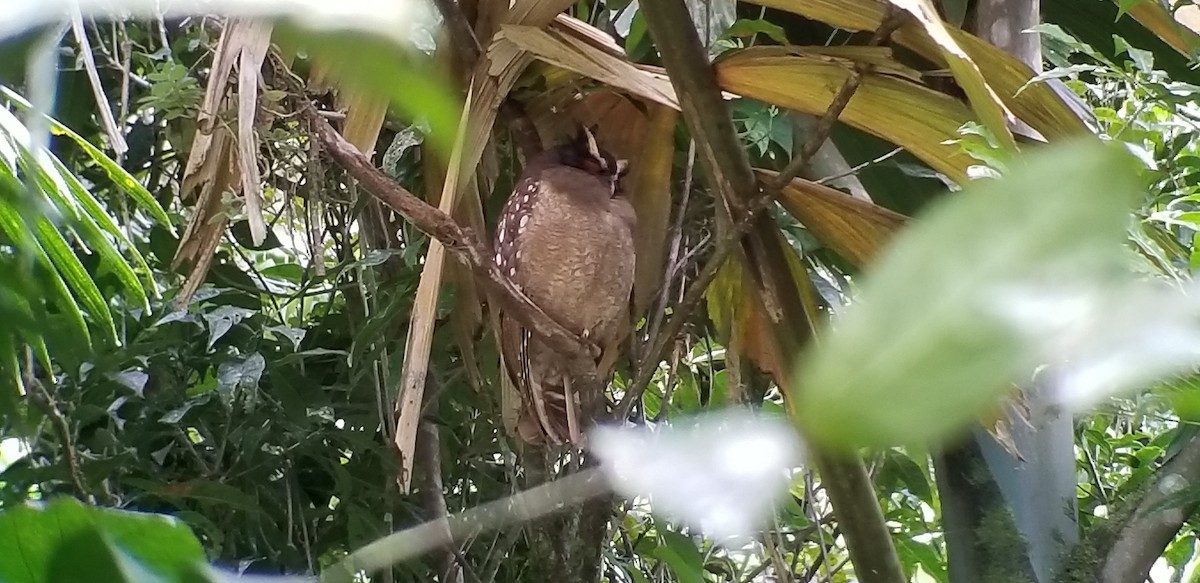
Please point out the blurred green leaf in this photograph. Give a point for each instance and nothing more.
(88, 555)
(924, 349)
(377, 65)
(681, 554)
(38, 538)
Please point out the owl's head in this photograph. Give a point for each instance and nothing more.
(584, 153)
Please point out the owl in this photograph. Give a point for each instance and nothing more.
(565, 238)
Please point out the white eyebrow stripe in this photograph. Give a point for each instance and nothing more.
(593, 148)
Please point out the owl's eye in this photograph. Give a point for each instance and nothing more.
(593, 166)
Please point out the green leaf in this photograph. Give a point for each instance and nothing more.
(745, 27)
(1142, 59)
(222, 319)
(239, 376)
(681, 554)
(1124, 6)
(33, 536)
(105, 222)
(208, 492)
(61, 187)
(88, 555)
(926, 347)
(1095, 23)
(122, 179)
(12, 226)
(915, 553)
(73, 273)
(290, 271)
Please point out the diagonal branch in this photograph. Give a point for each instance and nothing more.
(707, 117)
(732, 239)
(459, 241)
(892, 20)
(525, 506)
(1154, 521)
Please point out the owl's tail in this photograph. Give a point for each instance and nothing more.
(548, 408)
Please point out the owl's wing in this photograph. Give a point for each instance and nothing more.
(506, 245)
(535, 418)
(514, 339)
(515, 353)
(513, 381)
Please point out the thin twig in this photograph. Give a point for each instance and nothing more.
(728, 243)
(782, 573)
(41, 397)
(674, 264)
(859, 168)
(809, 494)
(892, 20)
(89, 63)
(116, 64)
(833, 571)
(670, 384)
(429, 456)
(499, 552)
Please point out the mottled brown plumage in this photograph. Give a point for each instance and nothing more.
(565, 238)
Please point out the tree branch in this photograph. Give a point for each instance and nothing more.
(696, 80)
(429, 456)
(700, 100)
(460, 242)
(691, 299)
(1155, 520)
(730, 174)
(892, 20)
(525, 506)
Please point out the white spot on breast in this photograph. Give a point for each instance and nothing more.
(499, 258)
(512, 271)
(502, 234)
(524, 221)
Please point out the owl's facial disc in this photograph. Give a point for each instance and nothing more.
(585, 154)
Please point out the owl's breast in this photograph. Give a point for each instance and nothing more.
(577, 257)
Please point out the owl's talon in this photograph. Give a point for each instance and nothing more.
(592, 349)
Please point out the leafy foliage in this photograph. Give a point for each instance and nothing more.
(259, 412)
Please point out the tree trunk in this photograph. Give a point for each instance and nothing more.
(982, 541)
(565, 545)
(987, 492)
